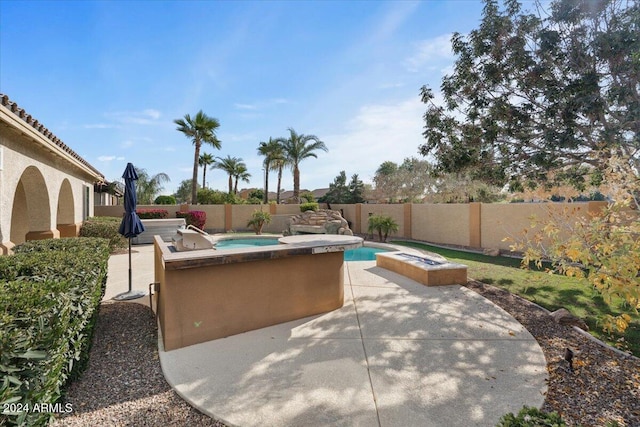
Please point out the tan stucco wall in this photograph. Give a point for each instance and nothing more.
(441, 223)
(501, 221)
(476, 224)
(204, 303)
(49, 183)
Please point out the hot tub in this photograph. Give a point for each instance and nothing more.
(208, 294)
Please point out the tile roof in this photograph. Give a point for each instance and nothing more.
(39, 127)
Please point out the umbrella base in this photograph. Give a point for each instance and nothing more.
(125, 296)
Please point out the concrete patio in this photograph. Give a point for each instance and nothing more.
(397, 353)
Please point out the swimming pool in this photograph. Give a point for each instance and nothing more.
(245, 243)
(364, 253)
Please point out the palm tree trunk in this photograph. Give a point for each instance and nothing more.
(296, 184)
(194, 177)
(230, 183)
(266, 183)
(235, 186)
(204, 176)
(279, 182)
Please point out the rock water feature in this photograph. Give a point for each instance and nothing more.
(323, 221)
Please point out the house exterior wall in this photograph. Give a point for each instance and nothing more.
(45, 191)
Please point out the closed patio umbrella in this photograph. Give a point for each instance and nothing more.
(131, 226)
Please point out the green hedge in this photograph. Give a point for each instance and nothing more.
(105, 227)
(50, 291)
(165, 200)
(152, 213)
(309, 206)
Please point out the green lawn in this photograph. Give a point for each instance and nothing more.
(551, 291)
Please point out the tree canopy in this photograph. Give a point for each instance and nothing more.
(296, 148)
(200, 129)
(540, 96)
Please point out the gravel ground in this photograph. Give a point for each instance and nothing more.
(124, 386)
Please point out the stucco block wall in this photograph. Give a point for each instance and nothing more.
(441, 223)
(287, 209)
(475, 225)
(501, 221)
(204, 303)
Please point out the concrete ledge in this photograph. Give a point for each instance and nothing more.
(422, 269)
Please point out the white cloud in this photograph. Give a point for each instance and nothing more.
(261, 105)
(379, 132)
(429, 53)
(99, 126)
(245, 106)
(144, 117)
(154, 114)
(109, 158)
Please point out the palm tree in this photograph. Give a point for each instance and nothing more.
(201, 128)
(148, 187)
(205, 160)
(298, 147)
(279, 164)
(230, 166)
(272, 152)
(240, 173)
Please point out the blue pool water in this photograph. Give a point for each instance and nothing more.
(245, 243)
(360, 254)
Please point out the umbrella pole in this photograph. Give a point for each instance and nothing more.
(130, 265)
(131, 294)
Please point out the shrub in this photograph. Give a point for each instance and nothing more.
(531, 417)
(258, 219)
(207, 196)
(50, 291)
(254, 201)
(383, 224)
(310, 206)
(308, 196)
(106, 228)
(165, 200)
(153, 213)
(195, 218)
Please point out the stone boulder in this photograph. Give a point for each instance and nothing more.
(564, 317)
(322, 221)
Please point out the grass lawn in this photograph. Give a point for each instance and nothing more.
(551, 291)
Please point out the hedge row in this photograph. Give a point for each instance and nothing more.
(152, 213)
(105, 227)
(50, 291)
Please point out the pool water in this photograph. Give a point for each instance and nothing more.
(245, 243)
(364, 253)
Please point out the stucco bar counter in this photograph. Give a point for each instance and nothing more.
(209, 294)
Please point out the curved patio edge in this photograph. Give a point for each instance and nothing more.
(396, 353)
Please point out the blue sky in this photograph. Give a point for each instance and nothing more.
(109, 78)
